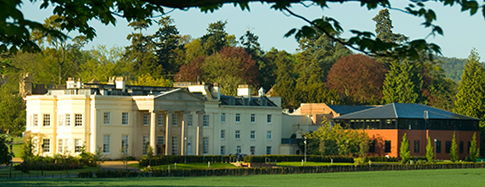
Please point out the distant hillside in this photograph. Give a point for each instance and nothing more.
(453, 67)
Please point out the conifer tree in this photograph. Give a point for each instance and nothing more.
(429, 151)
(403, 83)
(470, 99)
(453, 150)
(473, 148)
(404, 152)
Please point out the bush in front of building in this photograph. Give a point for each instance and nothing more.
(297, 158)
(170, 159)
(57, 162)
(380, 159)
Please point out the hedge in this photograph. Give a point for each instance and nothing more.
(296, 158)
(380, 159)
(170, 159)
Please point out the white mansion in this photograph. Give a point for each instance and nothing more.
(188, 119)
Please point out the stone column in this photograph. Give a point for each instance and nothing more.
(153, 131)
(199, 133)
(168, 133)
(183, 134)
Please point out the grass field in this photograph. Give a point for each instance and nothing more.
(428, 178)
(6, 171)
(17, 149)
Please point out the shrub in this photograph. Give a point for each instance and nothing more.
(296, 158)
(85, 174)
(380, 159)
(162, 160)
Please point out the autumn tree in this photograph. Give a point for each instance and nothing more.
(190, 72)
(230, 67)
(358, 77)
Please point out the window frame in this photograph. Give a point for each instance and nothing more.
(106, 144)
(238, 118)
(269, 118)
(252, 135)
(223, 134)
(78, 120)
(253, 118)
(223, 117)
(269, 135)
(106, 118)
(46, 120)
(125, 122)
(237, 134)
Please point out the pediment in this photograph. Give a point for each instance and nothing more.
(178, 95)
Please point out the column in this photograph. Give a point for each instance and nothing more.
(199, 133)
(168, 133)
(183, 134)
(153, 131)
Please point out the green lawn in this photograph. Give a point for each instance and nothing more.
(310, 164)
(428, 178)
(195, 166)
(6, 171)
(17, 149)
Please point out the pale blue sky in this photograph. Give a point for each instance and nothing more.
(462, 32)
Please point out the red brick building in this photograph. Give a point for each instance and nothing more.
(387, 124)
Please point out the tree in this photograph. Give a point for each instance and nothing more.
(4, 151)
(285, 80)
(384, 28)
(77, 14)
(404, 152)
(470, 98)
(168, 45)
(12, 112)
(104, 63)
(403, 83)
(148, 80)
(453, 150)
(357, 77)
(217, 38)
(474, 151)
(429, 151)
(190, 72)
(230, 67)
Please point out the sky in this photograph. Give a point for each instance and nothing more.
(462, 32)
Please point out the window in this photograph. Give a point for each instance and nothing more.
(461, 147)
(253, 118)
(268, 135)
(372, 146)
(34, 145)
(252, 135)
(46, 145)
(68, 119)
(469, 145)
(268, 150)
(205, 145)
(238, 118)
(205, 120)
(67, 143)
(387, 146)
(448, 147)
(252, 149)
(106, 141)
(145, 142)
(416, 146)
(160, 119)
(61, 120)
(189, 146)
(438, 146)
(174, 145)
(223, 134)
(36, 120)
(124, 118)
(189, 120)
(223, 117)
(77, 145)
(146, 119)
(160, 140)
(268, 118)
(124, 143)
(238, 135)
(59, 146)
(47, 120)
(175, 120)
(223, 150)
(106, 118)
(78, 120)
(238, 149)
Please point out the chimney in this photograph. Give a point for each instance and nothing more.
(217, 91)
(71, 83)
(79, 83)
(120, 83)
(244, 90)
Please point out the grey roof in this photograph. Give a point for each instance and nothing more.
(404, 110)
(347, 109)
(245, 101)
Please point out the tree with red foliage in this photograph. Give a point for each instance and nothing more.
(190, 72)
(230, 67)
(358, 78)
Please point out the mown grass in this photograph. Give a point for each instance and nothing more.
(17, 150)
(428, 178)
(6, 171)
(310, 163)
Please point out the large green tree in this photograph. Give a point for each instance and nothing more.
(16, 29)
(403, 83)
(216, 38)
(169, 46)
(285, 79)
(404, 152)
(453, 150)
